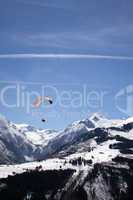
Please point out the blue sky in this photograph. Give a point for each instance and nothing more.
(98, 36)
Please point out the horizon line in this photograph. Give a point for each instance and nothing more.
(62, 56)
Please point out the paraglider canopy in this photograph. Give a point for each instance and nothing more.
(39, 100)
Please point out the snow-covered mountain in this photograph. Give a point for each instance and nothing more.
(21, 142)
(96, 133)
(91, 159)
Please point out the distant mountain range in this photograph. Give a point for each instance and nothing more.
(21, 142)
(92, 158)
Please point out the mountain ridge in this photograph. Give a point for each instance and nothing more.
(91, 159)
(41, 144)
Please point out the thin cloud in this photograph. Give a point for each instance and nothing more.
(63, 56)
(66, 40)
(105, 37)
(42, 4)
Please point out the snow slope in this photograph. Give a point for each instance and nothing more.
(99, 150)
(92, 136)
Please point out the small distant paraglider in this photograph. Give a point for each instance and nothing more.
(43, 120)
(39, 100)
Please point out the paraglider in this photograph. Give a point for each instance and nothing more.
(49, 99)
(43, 120)
(39, 100)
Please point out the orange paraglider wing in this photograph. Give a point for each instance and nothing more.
(37, 102)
